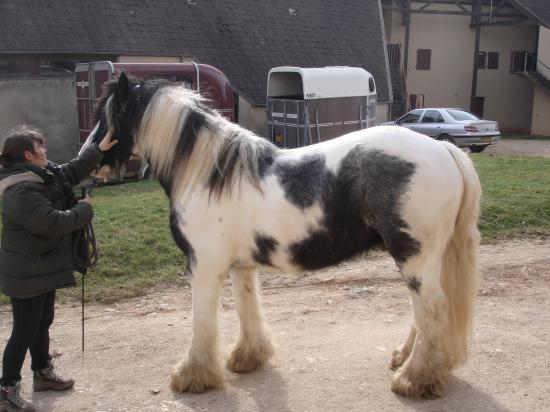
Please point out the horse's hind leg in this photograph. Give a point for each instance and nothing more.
(401, 353)
(254, 347)
(425, 371)
(203, 368)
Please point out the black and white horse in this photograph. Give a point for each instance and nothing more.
(238, 204)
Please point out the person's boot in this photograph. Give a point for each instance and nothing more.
(48, 379)
(11, 400)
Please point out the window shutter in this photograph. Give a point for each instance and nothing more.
(423, 59)
(492, 62)
(481, 60)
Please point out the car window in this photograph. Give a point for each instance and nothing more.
(462, 115)
(433, 116)
(411, 117)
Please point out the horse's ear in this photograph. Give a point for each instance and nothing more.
(123, 86)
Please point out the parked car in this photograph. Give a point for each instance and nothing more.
(457, 126)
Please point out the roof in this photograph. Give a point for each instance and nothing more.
(538, 10)
(319, 82)
(243, 38)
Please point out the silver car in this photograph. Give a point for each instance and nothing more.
(457, 126)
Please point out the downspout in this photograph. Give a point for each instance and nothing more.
(476, 20)
(407, 21)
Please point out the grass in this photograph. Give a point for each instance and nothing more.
(137, 251)
(516, 195)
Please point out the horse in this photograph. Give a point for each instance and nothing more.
(239, 204)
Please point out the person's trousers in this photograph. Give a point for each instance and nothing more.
(32, 318)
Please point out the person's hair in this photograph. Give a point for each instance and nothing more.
(17, 141)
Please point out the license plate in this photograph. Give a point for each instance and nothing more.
(486, 139)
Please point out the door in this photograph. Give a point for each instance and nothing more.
(431, 124)
(477, 106)
(410, 120)
(90, 78)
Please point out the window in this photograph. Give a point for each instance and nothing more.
(481, 57)
(462, 115)
(416, 101)
(423, 59)
(433, 116)
(411, 117)
(492, 62)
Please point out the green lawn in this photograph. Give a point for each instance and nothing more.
(516, 195)
(137, 251)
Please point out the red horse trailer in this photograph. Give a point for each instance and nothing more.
(207, 80)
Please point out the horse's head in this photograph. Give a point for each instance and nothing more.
(117, 111)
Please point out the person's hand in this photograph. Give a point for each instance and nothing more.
(87, 199)
(107, 142)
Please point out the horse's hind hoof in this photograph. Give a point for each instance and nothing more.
(427, 390)
(244, 360)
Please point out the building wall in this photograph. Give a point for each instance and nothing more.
(50, 105)
(508, 97)
(541, 104)
(252, 118)
(382, 113)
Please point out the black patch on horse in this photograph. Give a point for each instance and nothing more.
(260, 156)
(195, 121)
(361, 206)
(182, 242)
(414, 284)
(266, 159)
(226, 163)
(302, 180)
(265, 246)
(188, 138)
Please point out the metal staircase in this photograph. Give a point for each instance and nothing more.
(399, 86)
(527, 64)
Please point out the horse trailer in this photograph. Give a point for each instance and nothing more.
(311, 105)
(210, 82)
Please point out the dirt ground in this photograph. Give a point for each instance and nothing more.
(334, 331)
(521, 147)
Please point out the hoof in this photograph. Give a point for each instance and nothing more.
(430, 389)
(243, 359)
(397, 359)
(195, 378)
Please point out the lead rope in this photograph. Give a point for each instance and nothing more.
(85, 256)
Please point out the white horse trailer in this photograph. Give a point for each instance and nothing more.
(311, 105)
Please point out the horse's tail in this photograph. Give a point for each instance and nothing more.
(459, 277)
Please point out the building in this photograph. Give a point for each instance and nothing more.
(490, 56)
(40, 42)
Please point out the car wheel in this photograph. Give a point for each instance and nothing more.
(446, 138)
(477, 149)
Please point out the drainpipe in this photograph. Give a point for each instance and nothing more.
(476, 20)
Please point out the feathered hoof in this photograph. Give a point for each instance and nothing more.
(423, 388)
(244, 359)
(397, 359)
(195, 378)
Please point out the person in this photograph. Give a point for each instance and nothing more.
(39, 215)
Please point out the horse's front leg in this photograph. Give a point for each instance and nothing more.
(254, 347)
(203, 368)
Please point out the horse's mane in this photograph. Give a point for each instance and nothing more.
(187, 143)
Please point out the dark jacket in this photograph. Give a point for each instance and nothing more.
(38, 218)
